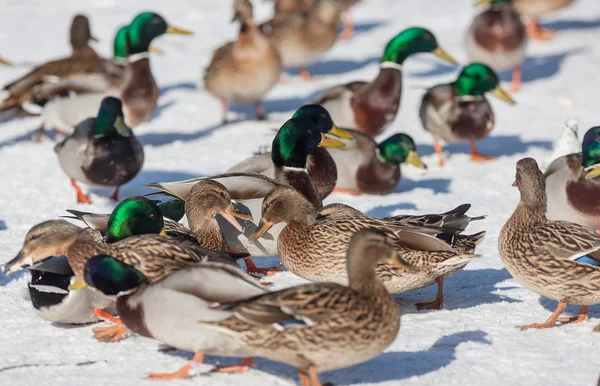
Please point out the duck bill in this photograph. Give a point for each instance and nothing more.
(18, 263)
(330, 142)
(5, 62)
(263, 227)
(163, 233)
(339, 132)
(595, 172)
(77, 284)
(440, 53)
(230, 215)
(155, 50)
(414, 159)
(401, 263)
(501, 94)
(178, 31)
(483, 2)
(234, 211)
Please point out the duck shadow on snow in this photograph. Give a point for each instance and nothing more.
(334, 66)
(177, 86)
(387, 210)
(168, 137)
(572, 24)
(496, 145)
(389, 366)
(571, 310)
(541, 67)
(3, 225)
(437, 185)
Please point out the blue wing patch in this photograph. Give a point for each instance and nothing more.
(588, 260)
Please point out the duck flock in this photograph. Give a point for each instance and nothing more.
(178, 264)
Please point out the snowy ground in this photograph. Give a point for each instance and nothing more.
(471, 342)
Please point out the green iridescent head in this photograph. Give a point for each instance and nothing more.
(590, 148)
(173, 210)
(146, 27)
(400, 148)
(476, 79)
(134, 216)
(110, 119)
(111, 277)
(493, 3)
(121, 46)
(295, 140)
(318, 115)
(411, 41)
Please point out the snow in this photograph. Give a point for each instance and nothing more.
(471, 342)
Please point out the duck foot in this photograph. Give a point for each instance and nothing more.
(252, 268)
(549, 323)
(516, 79)
(304, 74)
(478, 157)
(261, 115)
(439, 151)
(182, 373)
(536, 32)
(348, 30)
(351, 192)
(105, 315)
(115, 195)
(311, 378)
(224, 120)
(581, 317)
(246, 364)
(81, 197)
(438, 303)
(110, 334)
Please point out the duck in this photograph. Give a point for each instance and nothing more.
(573, 184)
(183, 299)
(291, 6)
(83, 59)
(497, 38)
(320, 165)
(319, 327)
(138, 92)
(245, 70)
(559, 260)
(567, 143)
(313, 246)
(459, 110)
(366, 167)
(102, 151)
(533, 9)
(302, 37)
(371, 106)
(294, 141)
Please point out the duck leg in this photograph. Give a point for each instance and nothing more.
(581, 317)
(81, 197)
(439, 151)
(111, 333)
(37, 135)
(536, 32)
(476, 156)
(348, 30)
(246, 364)
(351, 192)
(516, 79)
(252, 268)
(182, 373)
(550, 322)
(261, 115)
(438, 303)
(304, 74)
(115, 195)
(224, 110)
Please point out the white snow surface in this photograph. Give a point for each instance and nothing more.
(472, 341)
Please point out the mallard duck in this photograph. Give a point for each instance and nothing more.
(183, 300)
(301, 37)
(533, 9)
(364, 166)
(320, 327)
(102, 151)
(573, 185)
(243, 71)
(497, 38)
(371, 106)
(294, 141)
(319, 163)
(313, 246)
(138, 92)
(459, 111)
(559, 260)
(83, 59)
(567, 143)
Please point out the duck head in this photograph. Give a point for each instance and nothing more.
(110, 119)
(590, 150)
(411, 41)
(80, 33)
(320, 117)
(134, 216)
(400, 148)
(112, 277)
(476, 79)
(146, 27)
(494, 3)
(531, 182)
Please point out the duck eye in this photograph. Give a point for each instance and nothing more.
(156, 20)
(153, 216)
(33, 237)
(310, 131)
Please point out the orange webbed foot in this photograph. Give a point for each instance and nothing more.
(252, 268)
(110, 334)
(246, 364)
(182, 373)
(351, 192)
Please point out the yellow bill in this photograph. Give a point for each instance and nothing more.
(501, 94)
(234, 211)
(155, 50)
(414, 159)
(483, 2)
(339, 132)
(440, 53)
(330, 142)
(78, 284)
(5, 62)
(595, 172)
(178, 31)
(263, 227)
(163, 233)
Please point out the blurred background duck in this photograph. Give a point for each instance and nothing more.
(138, 90)
(459, 111)
(320, 165)
(301, 37)
(371, 106)
(567, 143)
(364, 166)
(533, 9)
(559, 260)
(102, 151)
(243, 71)
(573, 184)
(498, 39)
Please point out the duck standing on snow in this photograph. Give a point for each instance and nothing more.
(559, 260)
(370, 106)
(573, 184)
(497, 38)
(243, 71)
(364, 166)
(533, 9)
(102, 151)
(459, 111)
